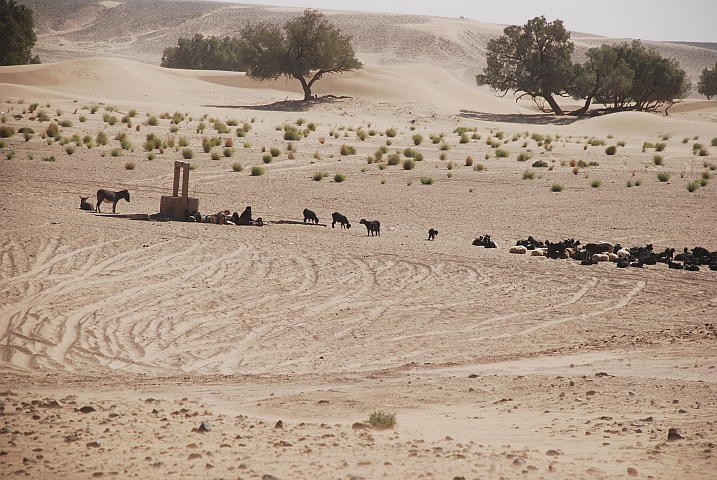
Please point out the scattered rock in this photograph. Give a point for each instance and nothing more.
(673, 436)
(572, 384)
(52, 404)
(360, 426)
(71, 438)
(472, 375)
(209, 465)
(150, 400)
(552, 453)
(194, 456)
(590, 393)
(648, 419)
(632, 472)
(632, 394)
(518, 462)
(279, 424)
(204, 427)
(601, 374)
(87, 409)
(95, 444)
(268, 477)
(97, 474)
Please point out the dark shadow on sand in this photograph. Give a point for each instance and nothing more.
(288, 105)
(537, 119)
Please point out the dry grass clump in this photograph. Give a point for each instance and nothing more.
(237, 167)
(409, 164)
(394, 159)
(382, 420)
(257, 171)
(417, 139)
(318, 176)
(596, 183)
(267, 158)
(339, 177)
(469, 161)
(663, 176)
(347, 150)
(215, 155)
(391, 132)
(228, 152)
(426, 181)
(524, 156)
(528, 175)
(188, 153)
(129, 166)
(556, 187)
(657, 159)
(611, 150)
(479, 167)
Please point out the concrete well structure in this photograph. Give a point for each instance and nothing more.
(174, 206)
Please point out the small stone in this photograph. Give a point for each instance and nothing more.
(359, 426)
(98, 474)
(209, 465)
(572, 384)
(279, 424)
(268, 477)
(590, 393)
(632, 394)
(87, 409)
(194, 456)
(472, 375)
(95, 444)
(601, 374)
(204, 427)
(552, 453)
(632, 472)
(150, 400)
(673, 436)
(518, 462)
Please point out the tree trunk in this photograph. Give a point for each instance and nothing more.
(553, 104)
(306, 87)
(582, 111)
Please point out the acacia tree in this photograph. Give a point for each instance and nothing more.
(201, 53)
(18, 34)
(306, 48)
(603, 75)
(707, 84)
(533, 59)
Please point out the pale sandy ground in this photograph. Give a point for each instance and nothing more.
(488, 359)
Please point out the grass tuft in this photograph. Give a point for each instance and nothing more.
(692, 186)
(237, 167)
(130, 166)
(339, 177)
(657, 159)
(663, 176)
(257, 171)
(596, 184)
(611, 150)
(556, 187)
(528, 175)
(426, 180)
(382, 420)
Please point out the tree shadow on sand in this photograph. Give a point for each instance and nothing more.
(288, 105)
(536, 119)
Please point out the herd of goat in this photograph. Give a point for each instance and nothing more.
(588, 254)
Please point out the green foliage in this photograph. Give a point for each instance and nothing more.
(152, 142)
(464, 138)
(663, 176)
(6, 132)
(417, 139)
(151, 156)
(409, 152)
(306, 48)
(152, 121)
(291, 133)
(426, 181)
(391, 132)
(275, 152)
(534, 59)
(713, 142)
(82, 119)
(657, 159)
(199, 53)
(101, 138)
(611, 150)
(50, 159)
(347, 150)
(692, 186)
(394, 159)
(318, 176)
(660, 146)
(409, 164)
(187, 153)
(462, 130)
(237, 167)
(339, 177)
(257, 171)
(116, 152)
(444, 146)
(556, 187)
(267, 158)
(70, 149)
(707, 84)
(596, 183)
(18, 34)
(524, 156)
(215, 155)
(382, 420)
(228, 152)
(539, 164)
(500, 153)
(528, 175)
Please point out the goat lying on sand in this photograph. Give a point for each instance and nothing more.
(109, 196)
(84, 204)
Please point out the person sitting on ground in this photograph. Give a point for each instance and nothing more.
(244, 218)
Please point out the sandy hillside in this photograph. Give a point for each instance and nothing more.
(120, 338)
(140, 30)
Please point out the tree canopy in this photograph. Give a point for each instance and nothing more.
(199, 53)
(533, 59)
(305, 48)
(707, 84)
(18, 34)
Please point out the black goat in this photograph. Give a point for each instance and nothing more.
(85, 205)
(109, 196)
(432, 234)
(484, 242)
(338, 218)
(373, 227)
(310, 216)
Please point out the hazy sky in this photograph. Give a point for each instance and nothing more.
(679, 20)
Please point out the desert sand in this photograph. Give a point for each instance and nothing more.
(496, 365)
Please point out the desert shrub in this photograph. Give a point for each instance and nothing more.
(660, 147)
(247, 144)
(187, 153)
(311, 126)
(713, 142)
(500, 135)
(228, 152)
(237, 167)
(101, 138)
(528, 175)
(703, 152)
(111, 108)
(67, 123)
(382, 420)
(417, 139)
(666, 136)
(488, 154)
(241, 132)
(703, 181)
(426, 181)
(347, 150)
(596, 183)
(49, 159)
(7, 132)
(339, 177)
(537, 137)
(611, 150)
(409, 164)
(692, 186)
(596, 142)
(706, 175)
(116, 152)
(464, 138)
(267, 158)
(444, 146)
(177, 118)
(539, 164)
(500, 153)
(361, 135)
(70, 149)
(556, 187)
(76, 138)
(183, 142)
(318, 176)
(524, 156)
(127, 120)
(479, 167)
(215, 155)
(152, 141)
(638, 182)
(257, 171)
(132, 113)
(382, 166)
(394, 159)
(621, 143)
(462, 130)
(151, 156)
(275, 152)
(657, 159)
(647, 145)
(153, 121)
(94, 108)
(129, 166)
(469, 161)
(582, 164)
(663, 176)
(126, 144)
(450, 165)
(409, 152)
(111, 119)
(291, 133)
(391, 132)
(82, 119)
(27, 136)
